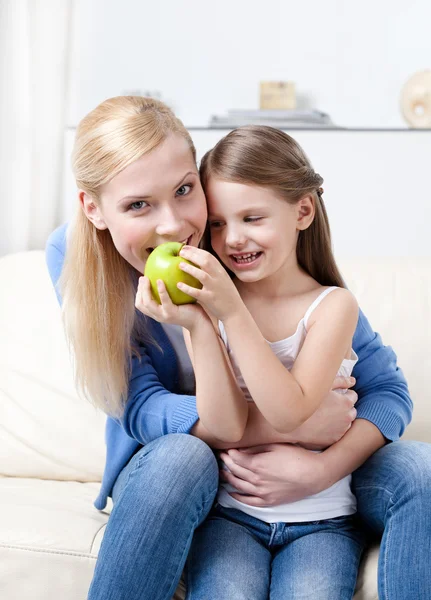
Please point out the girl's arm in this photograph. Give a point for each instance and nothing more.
(220, 403)
(287, 399)
(221, 406)
(384, 409)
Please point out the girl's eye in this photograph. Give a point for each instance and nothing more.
(252, 219)
(138, 205)
(215, 224)
(184, 189)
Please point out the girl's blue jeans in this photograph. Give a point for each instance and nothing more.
(235, 556)
(167, 489)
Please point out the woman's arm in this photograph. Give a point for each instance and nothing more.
(278, 473)
(151, 409)
(383, 394)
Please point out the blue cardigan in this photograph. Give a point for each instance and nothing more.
(154, 409)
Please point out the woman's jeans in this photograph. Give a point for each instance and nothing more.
(160, 497)
(168, 487)
(393, 489)
(237, 557)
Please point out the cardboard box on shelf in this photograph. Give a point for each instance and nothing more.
(277, 95)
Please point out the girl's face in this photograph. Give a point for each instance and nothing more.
(156, 199)
(253, 231)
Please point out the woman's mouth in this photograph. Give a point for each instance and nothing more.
(185, 242)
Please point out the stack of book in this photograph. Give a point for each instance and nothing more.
(282, 119)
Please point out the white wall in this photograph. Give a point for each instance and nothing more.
(347, 58)
(376, 187)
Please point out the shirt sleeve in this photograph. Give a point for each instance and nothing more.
(151, 410)
(383, 395)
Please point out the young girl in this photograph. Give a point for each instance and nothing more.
(287, 323)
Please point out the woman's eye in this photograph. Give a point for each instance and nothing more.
(184, 189)
(138, 205)
(252, 219)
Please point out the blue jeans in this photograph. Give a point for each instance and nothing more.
(167, 490)
(236, 556)
(160, 498)
(393, 489)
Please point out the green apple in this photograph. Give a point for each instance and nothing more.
(163, 263)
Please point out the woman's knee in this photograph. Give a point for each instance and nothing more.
(400, 465)
(413, 462)
(186, 452)
(178, 460)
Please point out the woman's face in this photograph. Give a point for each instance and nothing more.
(156, 199)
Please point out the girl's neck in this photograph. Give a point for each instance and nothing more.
(285, 283)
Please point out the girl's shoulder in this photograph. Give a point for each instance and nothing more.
(331, 301)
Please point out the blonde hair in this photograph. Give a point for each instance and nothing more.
(268, 157)
(97, 285)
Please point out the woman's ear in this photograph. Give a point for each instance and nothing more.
(91, 210)
(305, 211)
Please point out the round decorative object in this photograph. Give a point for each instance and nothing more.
(416, 100)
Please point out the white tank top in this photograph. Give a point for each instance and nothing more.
(333, 502)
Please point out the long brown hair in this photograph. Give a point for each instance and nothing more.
(268, 157)
(97, 284)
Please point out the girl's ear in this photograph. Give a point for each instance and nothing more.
(91, 210)
(305, 211)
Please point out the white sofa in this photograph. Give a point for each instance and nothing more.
(52, 442)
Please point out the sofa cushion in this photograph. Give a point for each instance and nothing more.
(50, 536)
(46, 431)
(395, 295)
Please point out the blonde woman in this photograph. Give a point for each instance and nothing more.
(135, 168)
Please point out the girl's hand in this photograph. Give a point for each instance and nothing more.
(218, 296)
(273, 474)
(186, 315)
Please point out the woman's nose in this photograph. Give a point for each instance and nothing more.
(170, 223)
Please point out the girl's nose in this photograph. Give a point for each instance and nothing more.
(235, 238)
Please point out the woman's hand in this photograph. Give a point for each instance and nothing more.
(218, 296)
(185, 315)
(332, 419)
(274, 474)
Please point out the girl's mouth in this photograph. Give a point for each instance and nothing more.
(245, 259)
